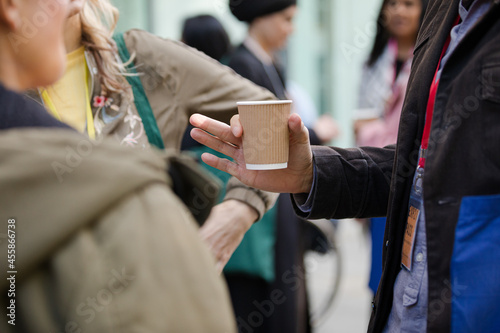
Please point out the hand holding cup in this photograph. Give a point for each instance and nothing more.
(296, 178)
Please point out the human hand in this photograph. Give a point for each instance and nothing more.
(297, 178)
(360, 123)
(224, 229)
(326, 128)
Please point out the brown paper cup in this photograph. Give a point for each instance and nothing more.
(265, 134)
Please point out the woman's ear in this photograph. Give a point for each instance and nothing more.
(10, 15)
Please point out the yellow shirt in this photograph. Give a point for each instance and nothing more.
(68, 94)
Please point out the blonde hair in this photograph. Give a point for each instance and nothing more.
(99, 18)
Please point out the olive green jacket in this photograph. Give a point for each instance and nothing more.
(102, 244)
(179, 81)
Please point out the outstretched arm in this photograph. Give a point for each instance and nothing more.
(347, 182)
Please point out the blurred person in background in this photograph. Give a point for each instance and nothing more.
(382, 92)
(94, 250)
(386, 73)
(270, 23)
(206, 34)
(100, 95)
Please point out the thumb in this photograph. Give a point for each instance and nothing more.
(236, 127)
(298, 131)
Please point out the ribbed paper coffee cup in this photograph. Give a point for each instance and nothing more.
(265, 134)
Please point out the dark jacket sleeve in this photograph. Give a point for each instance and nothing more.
(350, 183)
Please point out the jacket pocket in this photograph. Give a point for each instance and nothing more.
(490, 81)
(475, 266)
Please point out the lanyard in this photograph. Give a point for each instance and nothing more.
(430, 105)
(90, 119)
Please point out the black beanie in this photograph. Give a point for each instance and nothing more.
(249, 10)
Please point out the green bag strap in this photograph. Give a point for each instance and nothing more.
(140, 97)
